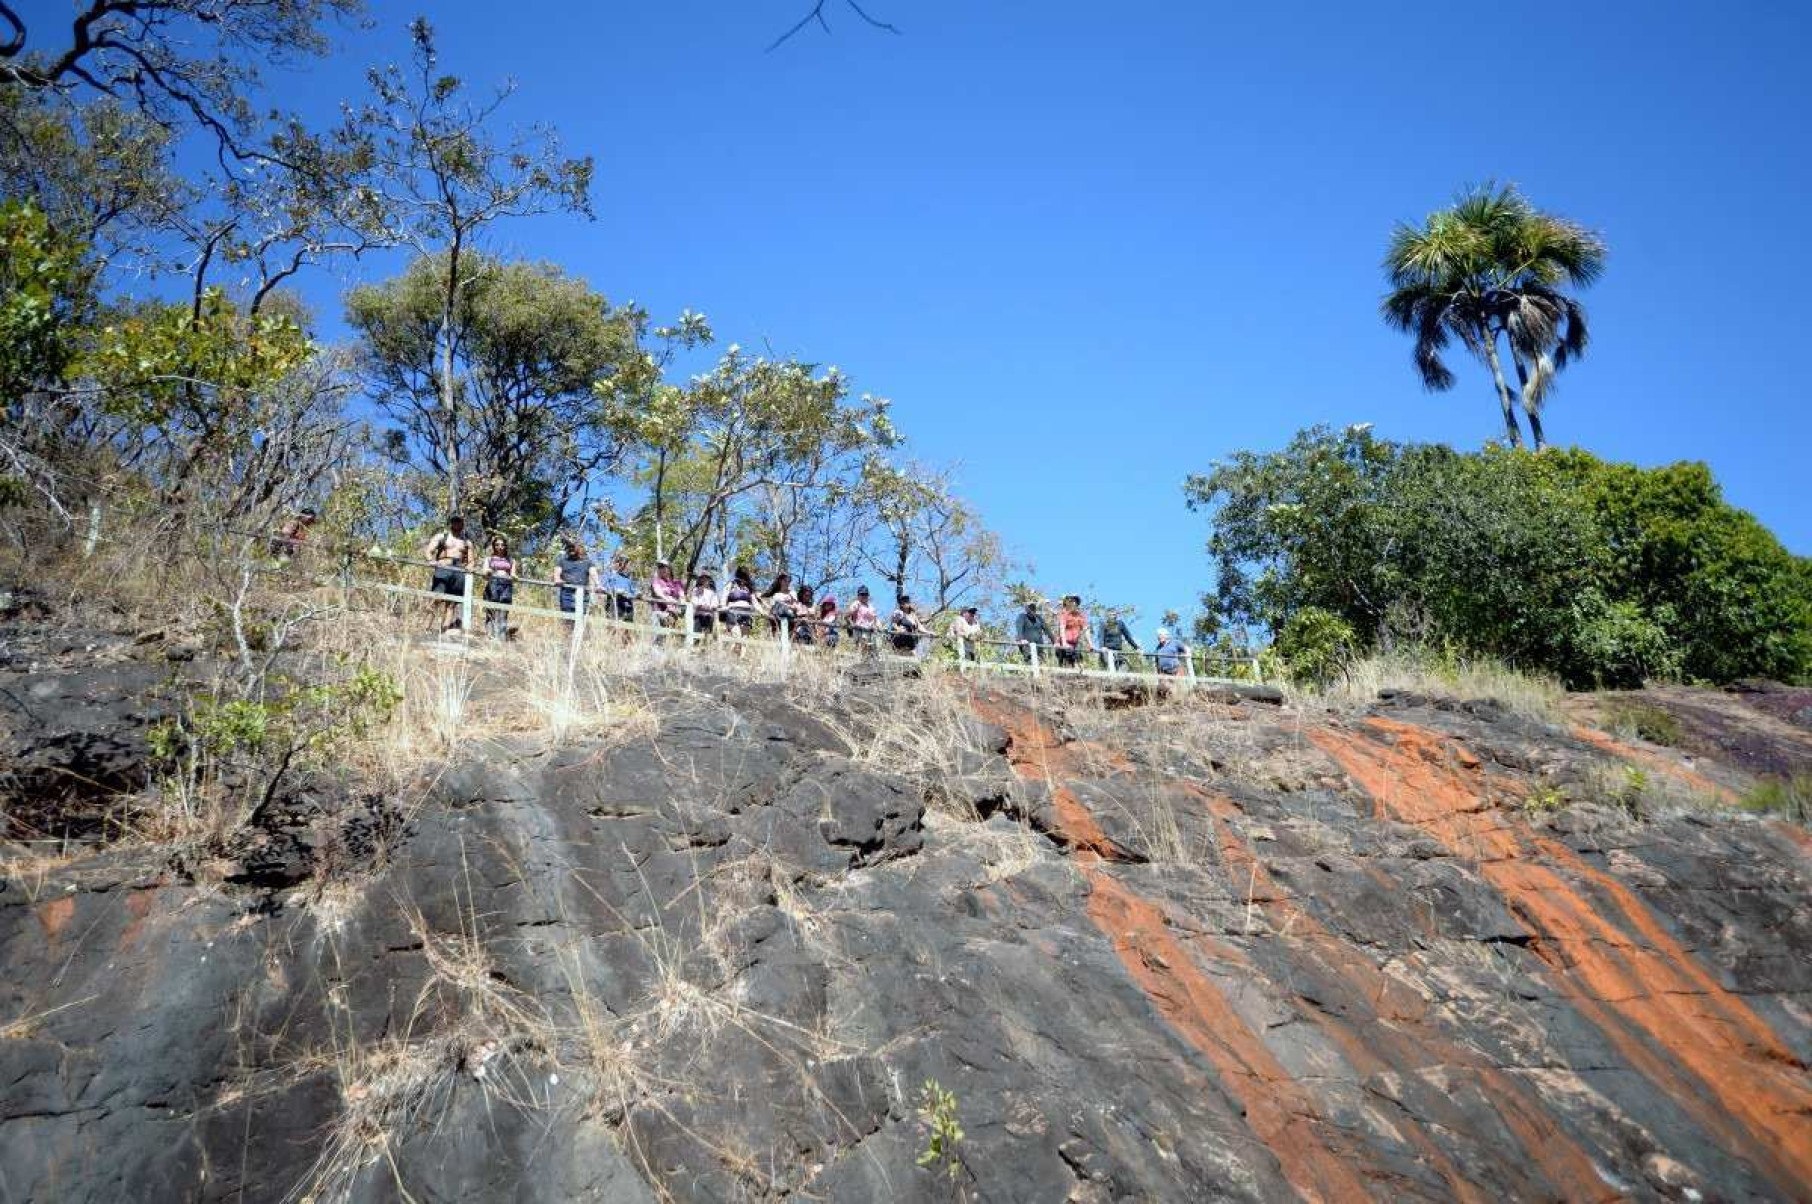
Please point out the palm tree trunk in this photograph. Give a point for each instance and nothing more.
(1511, 431)
(1531, 407)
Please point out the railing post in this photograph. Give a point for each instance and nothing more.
(1258, 671)
(345, 580)
(786, 645)
(1189, 663)
(1033, 646)
(572, 658)
(691, 632)
(94, 530)
(465, 604)
(1111, 660)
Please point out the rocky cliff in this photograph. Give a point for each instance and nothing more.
(1154, 949)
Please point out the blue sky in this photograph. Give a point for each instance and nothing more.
(1089, 248)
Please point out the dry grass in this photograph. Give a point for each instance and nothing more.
(1531, 695)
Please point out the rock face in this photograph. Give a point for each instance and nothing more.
(1156, 951)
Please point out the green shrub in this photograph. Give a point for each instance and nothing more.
(1603, 574)
(1316, 645)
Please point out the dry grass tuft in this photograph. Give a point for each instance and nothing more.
(1531, 695)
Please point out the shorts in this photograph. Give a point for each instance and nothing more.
(449, 581)
(742, 620)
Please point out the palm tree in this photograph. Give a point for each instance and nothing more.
(1492, 268)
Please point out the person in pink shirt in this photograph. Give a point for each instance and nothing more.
(1072, 631)
(863, 621)
(669, 594)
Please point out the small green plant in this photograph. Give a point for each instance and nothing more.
(1788, 798)
(943, 1132)
(1545, 800)
(260, 741)
(1643, 721)
(1632, 790)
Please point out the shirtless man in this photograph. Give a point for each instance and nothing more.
(451, 554)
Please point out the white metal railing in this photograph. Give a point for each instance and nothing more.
(681, 627)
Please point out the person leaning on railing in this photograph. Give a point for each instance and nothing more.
(805, 616)
(1116, 638)
(1072, 632)
(704, 601)
(966, 630)
(575, 573)
(863, 621)
(827, 633)
(1169, 653)
(738, 611)
(669, 594)
(904, 627)
(780, 603)
(1030, 631)
(499, 587)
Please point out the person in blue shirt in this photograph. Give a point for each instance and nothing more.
(1169, 653)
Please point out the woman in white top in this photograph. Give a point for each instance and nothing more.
(704, 603)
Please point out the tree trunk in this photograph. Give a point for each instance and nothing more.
(660, 502)
(1511, 431)
(1531, 409)
(449, 304)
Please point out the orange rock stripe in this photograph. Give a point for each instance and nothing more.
(1702, 1045)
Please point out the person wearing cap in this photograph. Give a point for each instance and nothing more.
(669, 594)
(1030, 631)
(863, 621)
(1116, 639)
(1168, 653)
(450, 552)
(966, 630)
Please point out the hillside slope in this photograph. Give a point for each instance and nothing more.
(1164, 950)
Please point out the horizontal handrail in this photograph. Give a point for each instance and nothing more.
(599, 604)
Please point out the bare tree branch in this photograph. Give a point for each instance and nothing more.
(817, 14)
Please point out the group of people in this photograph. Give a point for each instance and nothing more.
(1114, 644)
(811, 618)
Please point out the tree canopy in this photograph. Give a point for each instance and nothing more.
(1493, 270)
(1602, 573)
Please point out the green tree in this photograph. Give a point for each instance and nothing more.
(1490, 271)
(436, 177)
(722, 453)
(46, 303)
(1605, 574)
(529, 344)
(926, 541)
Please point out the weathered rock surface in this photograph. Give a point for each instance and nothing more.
(1160, 952)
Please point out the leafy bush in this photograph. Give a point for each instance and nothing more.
(1316, 645)
(1605, 574)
